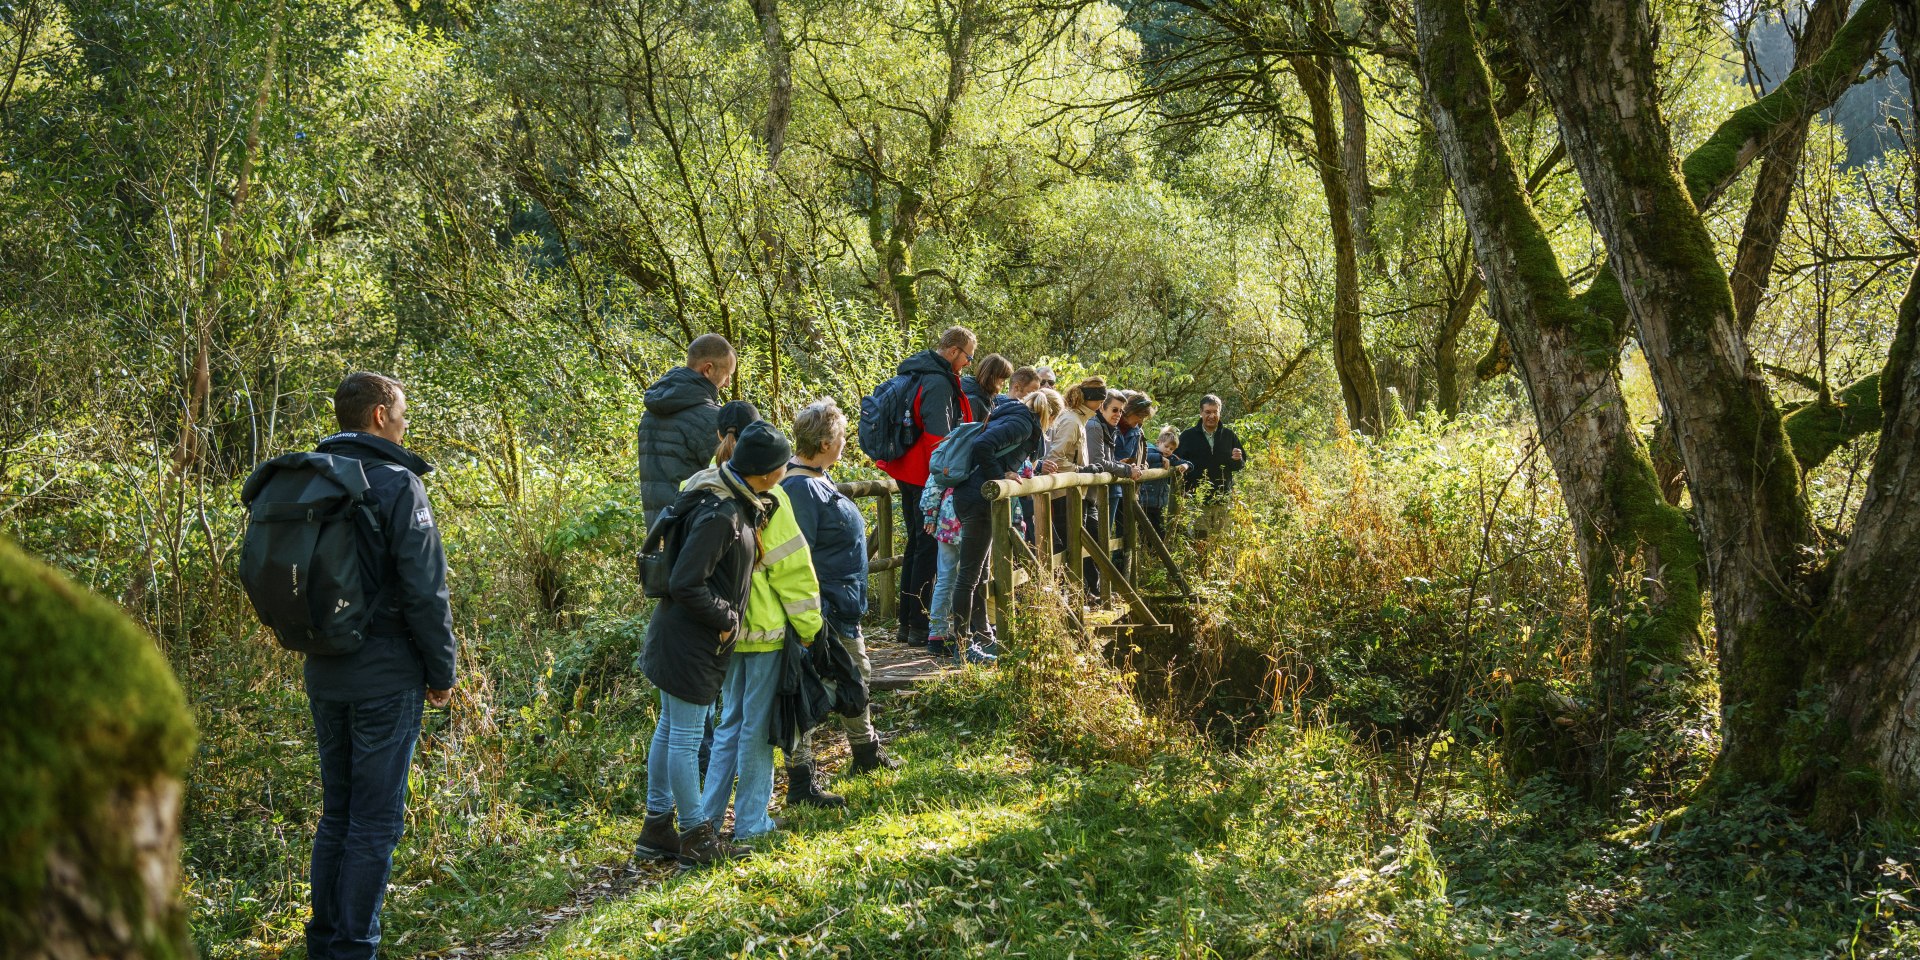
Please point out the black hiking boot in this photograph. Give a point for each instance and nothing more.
(868, 757)
(701, 847)
(802, 789)
(658, 841)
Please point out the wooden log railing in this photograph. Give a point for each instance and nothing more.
(1059, 491)
(1069, 492)
(882, 562)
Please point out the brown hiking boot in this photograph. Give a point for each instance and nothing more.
(701, 847)
(803, 789)
(658, 841)
(868, 757)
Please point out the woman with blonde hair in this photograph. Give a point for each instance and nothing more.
(1067, 439)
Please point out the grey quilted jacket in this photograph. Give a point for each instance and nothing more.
(678, 433)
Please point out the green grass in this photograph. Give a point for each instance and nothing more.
(1304, 845)
(979, 845)
(1038, 814)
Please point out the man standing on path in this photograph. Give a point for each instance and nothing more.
(679, 430)
(1214, 450)
(939, 403)
(366, 704)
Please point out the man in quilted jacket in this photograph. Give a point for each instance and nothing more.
(679, 429)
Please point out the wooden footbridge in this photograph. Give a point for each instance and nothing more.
(1048, 563)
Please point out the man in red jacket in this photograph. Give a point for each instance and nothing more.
(939, 403)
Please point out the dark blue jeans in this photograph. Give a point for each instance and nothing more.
(970, 589)
(366, 748)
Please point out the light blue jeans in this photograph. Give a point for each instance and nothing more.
(740, 745)
(946, 574)
(673, 762)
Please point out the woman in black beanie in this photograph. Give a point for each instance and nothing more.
(690, 638)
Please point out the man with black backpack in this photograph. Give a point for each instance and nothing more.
(923, 401)
(365, 678)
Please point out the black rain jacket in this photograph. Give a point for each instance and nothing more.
(978, 400)
(684, 654)
(410, 641)
(678, 433)
(1215, 465)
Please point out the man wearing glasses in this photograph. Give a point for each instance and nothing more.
(939, 404)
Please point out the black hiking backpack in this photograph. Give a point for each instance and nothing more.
(658, 550)
(887, 430)
(308, 558)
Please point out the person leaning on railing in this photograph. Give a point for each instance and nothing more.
(1102, 431)
(1024, 381)
(1129, 446)
(1013, 435)
(1154, 494)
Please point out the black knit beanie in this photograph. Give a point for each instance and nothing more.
(735, 415)
(761, 449)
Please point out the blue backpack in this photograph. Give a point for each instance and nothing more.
(952, 460)
(886, 429)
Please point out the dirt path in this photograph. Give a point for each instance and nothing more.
(902, 667)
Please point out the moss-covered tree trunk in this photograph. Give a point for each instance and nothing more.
(1596, 64)
(94, 738)
(778, 281)
(1446, 343)
(1359, 388)
(958, 25)
(1568, 360)
(1867, 642)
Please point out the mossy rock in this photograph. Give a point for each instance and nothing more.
(1540, 732)
(94, 737)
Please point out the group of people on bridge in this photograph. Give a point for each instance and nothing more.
(755, 553)
(765, 551)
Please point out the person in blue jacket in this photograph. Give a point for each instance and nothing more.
(1129, 441)
(1015, 433)
(1155, 494)
(837, 534)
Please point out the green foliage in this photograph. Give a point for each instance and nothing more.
(525, 209)
(1401, 585)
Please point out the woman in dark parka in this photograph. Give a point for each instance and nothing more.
(691, 636)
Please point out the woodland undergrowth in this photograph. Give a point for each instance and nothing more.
(1311, 768)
